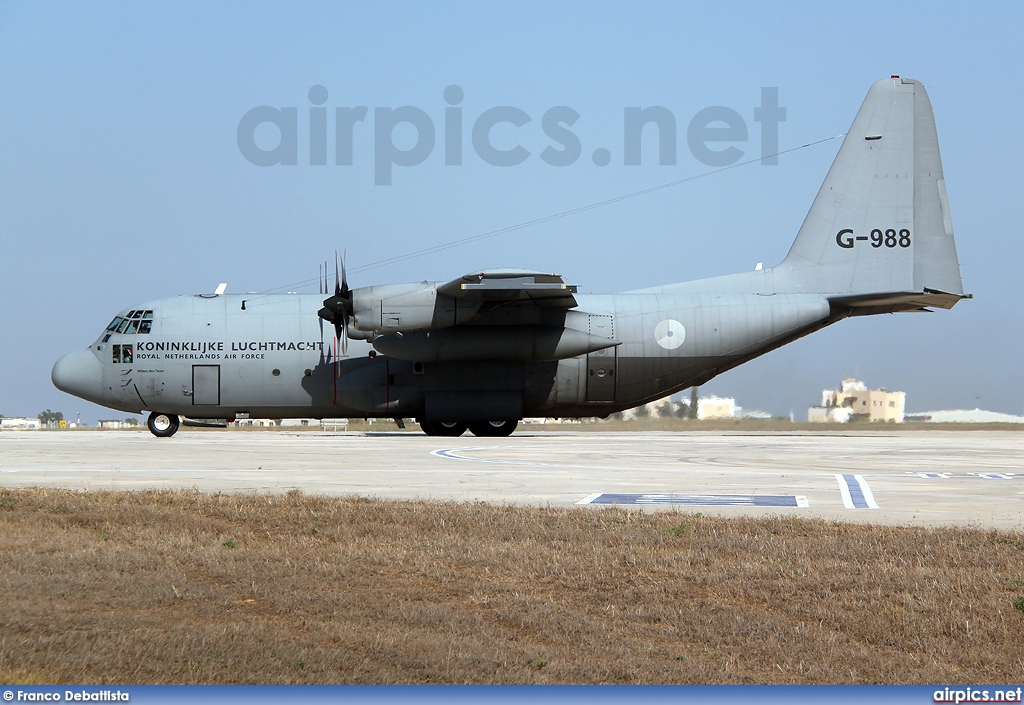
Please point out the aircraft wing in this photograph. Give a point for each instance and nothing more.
(542, 289)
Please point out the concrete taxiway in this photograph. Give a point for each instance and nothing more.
(898, 477)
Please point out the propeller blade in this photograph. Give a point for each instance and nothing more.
(344, 277)
(337, 282)
(337, 309)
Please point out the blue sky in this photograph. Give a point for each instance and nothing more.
(121, 179)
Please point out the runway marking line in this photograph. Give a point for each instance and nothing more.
(698, 500)
(459, 454)
(855, 491)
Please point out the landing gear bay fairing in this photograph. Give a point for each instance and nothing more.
(485, 350)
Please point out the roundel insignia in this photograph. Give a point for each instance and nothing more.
(670, 334)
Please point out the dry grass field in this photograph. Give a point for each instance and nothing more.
(182, 587)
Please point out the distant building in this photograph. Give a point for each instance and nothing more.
(753, 414)
(20, 423)
(854, 401)
(258, 423)
(663, 408)
(965, 416)
(716, 408)
(707, 408)
(110, 423)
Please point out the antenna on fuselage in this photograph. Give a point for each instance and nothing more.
(221, 288)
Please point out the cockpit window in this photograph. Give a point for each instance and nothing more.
(134, 322)
(122, 354)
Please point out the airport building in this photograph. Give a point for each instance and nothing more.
(20, 423)
(965, 416)
(716, 408)
(853, 401)
(708, 408)
(112, 423)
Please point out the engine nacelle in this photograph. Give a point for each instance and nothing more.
(505, 343)
(402, 308)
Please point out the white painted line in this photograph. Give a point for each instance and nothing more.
(856, 493)
(590, 498)
(801, 501)
(868, 495)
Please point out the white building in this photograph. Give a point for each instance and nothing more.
(966, 416)
(716, 408)
(854, 400)
(663, 408)
(20, 423)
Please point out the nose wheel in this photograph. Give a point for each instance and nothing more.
(163, 425)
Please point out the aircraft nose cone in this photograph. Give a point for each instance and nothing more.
(79, 373)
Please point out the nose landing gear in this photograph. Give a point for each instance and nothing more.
(163, 425)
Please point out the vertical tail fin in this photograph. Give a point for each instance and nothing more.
(879, 231)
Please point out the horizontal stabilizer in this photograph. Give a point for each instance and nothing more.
(867, 304)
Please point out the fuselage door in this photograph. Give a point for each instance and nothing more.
(205, 385)
(601, 364)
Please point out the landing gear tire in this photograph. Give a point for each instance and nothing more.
(163, 425)
(493, 428)
(443, 428)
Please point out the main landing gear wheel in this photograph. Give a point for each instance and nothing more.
(443, 428)
(493, 428)
(162, 425)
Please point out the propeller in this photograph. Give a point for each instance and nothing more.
(337, 309)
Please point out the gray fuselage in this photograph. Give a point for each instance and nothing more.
(206, 357)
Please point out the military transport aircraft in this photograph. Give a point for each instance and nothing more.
(485, 350)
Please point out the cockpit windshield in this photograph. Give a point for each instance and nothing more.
(136, 322)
